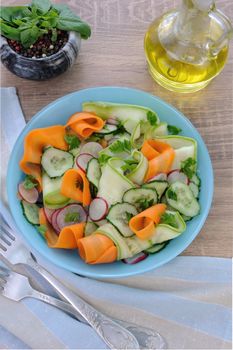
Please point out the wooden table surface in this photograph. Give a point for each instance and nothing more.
(114, 56)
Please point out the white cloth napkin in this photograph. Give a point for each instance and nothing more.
(188, 300)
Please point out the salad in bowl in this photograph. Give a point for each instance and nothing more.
(114, 182)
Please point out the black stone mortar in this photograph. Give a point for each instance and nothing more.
(41, 68)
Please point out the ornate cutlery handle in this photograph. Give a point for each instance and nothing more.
(114, 335)
(147, 338)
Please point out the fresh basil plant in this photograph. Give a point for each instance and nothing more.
(27, 24)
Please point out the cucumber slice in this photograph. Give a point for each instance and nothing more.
(138, 174)
(141, 198)
(110, 231)
(75, 151)
(56, 162)
(181, 198)
(107, 129)
(160, 130)
(119, 216)
(113, 184)
(158, 185)
(186, 218)
(184, 147)
(121, 112)
(195, 189)
(196, 180)
(93, 172)
(52, 196)
(90, 227)
(31, 212)
(156, 248)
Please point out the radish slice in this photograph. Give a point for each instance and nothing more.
(54, 220)
(29, 196)
(159, 177)
(112, 121)
(113, 139)
(98, 209)
(62, 216)
(92, 148)
(135, 259)
(48, 213)
(82, 160)
(177, 175)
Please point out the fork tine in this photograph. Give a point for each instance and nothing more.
(7, 230)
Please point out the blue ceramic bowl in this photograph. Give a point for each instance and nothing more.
(57, 113)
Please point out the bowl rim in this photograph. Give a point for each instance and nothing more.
(71, 35)
(94, 274)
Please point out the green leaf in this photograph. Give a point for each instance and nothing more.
(103, 158)
(188, 167)
(9, 12)
(173, 130)
(74, 24)
(9, 32)
(29, 36)
(171, 194)
(42, 5)
(29, 182)
(129, 166)
(168, 219)
(42, 229)
(128, 215)
(72, 217)
(144, 203)
(121, 146)
(152, 118)
(73, 141)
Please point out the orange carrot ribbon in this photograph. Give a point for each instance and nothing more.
(85, 123)
(143, 224)
(76, 186)
(97, 249)
(68, 237)
(160, 156)
(34, 143)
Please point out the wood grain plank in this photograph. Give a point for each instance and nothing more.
(114, 56)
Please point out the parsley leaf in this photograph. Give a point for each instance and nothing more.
(42, 229)
(173, 130)
(152, 118)
(121, 146)
(188, 167)
(128, 215)
(130, 165)
(103, 158)
(144, 203)
(168, 219)
(29, 182)
(171, 194)
(71, 217)
(73, 141)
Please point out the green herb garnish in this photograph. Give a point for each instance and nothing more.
(171, 194)
(121, 146)
(103, 158)
(27, 24)
(71, 217)
(73, 141)
(129, 166)
(29, 182)
(173, 130)
(152, 118)
(144, 203)
(188, 167)
(128, 215)
(168, 219)
(42, 229)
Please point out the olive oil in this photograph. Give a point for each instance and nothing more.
(188, 46)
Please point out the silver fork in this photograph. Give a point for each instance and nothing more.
(17, 287)
(14, 254)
